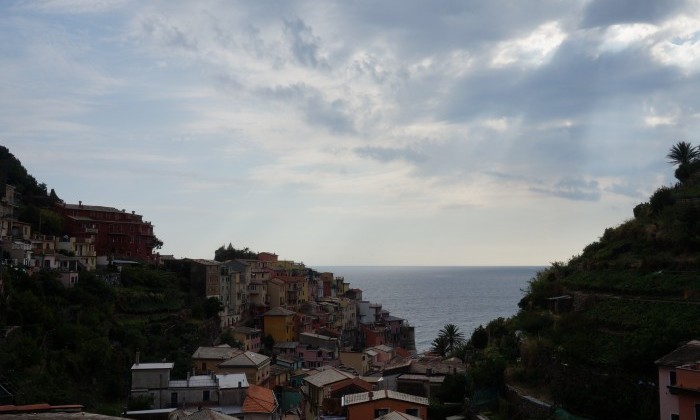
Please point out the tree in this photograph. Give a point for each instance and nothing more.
(439, 345)
(683, 153)
(480, 338)
(452, 336)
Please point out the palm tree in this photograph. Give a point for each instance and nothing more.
(452, 335)
(683, 153)
(439, 345)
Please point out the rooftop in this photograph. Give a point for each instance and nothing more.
(685, 354)
(327, 377)
(247, 358)
(397, 415)
(231, 380)
(223, 352)
(259, 400)
(149, 366)
(279, 311)
(364, 397)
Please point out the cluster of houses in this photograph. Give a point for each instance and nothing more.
(307, 343)
(334, 355)
(330, 353)
(94, 236)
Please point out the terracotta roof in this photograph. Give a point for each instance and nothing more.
(354, 381)
(397, 415)
(259, 400)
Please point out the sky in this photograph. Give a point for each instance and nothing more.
(355, 132)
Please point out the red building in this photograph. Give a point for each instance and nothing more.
(116, 233)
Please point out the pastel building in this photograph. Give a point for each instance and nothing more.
(279, 323)
(373, 404)
(679, 383)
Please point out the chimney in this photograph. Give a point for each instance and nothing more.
(80, 204)
(239, 384)
(138, 356)
(370, 395)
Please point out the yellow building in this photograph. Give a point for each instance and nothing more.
(279, 323)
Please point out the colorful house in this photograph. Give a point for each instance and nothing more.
(249, 337)
(373, 404)
(255, 366)
(679, 382)
(279, 323)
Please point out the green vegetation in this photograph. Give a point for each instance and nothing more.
(76, 345)
(637, 296)
(36, 204)
(448, 339)
(634, 295)
(231, 253)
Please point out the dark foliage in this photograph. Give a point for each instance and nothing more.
(76, 345)
(231, 253)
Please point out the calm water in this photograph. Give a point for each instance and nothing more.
(430, 297)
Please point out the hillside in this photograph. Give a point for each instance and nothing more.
(635, 296)
(63, 345)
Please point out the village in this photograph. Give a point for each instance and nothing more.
(306, 344)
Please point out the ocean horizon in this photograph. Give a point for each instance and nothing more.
(428, 297)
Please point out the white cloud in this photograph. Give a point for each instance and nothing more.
(619, 37)
(679, 43)
(531, 50)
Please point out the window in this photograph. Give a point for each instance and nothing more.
(380, 412)
(675, 417)
(205, 395)
(412, 412)
(173, 399)
(672, 377)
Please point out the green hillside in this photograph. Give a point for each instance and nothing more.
(636, 296)
(76, 345)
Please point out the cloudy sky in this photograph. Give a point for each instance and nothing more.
(355, 132)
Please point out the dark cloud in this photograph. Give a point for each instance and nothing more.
(611, 12)
(388, 154)
(575, 81)
(304, 44)
(334, 115)
(417, 28)
(168, 33)
(572, 189)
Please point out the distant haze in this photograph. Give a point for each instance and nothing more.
(355, 133)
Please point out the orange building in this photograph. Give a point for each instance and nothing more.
(687, 388)
(373, 404)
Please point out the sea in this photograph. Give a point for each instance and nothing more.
(431, 297)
